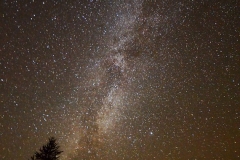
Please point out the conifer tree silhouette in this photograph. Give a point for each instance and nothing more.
(50, 151)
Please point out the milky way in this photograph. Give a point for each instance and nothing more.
(111, 75)
(120, 79)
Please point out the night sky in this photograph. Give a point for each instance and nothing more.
(114, 80)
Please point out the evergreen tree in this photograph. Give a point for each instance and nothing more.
(50, 151)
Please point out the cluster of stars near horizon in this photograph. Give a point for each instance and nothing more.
(120, 79)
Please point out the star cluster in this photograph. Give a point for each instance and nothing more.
(120, 79)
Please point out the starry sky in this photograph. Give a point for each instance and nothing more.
(122, 79)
